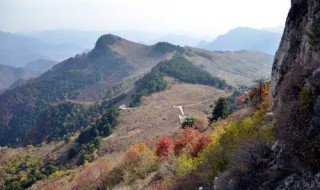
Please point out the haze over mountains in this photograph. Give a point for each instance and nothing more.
(9, 75)
(16, 50)
(243, 38)
(39, 51)
(57, 45)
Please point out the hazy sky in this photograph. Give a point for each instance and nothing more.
(192, 17)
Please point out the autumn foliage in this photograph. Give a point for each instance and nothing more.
(192, 141)
(134, 154)
(139, 161)
(165, 147)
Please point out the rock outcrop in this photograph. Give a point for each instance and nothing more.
(296, 101)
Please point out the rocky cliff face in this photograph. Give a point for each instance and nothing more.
(297, 58)
(296, 101)
(292, 161)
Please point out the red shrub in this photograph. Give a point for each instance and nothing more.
(201, 142)
(164, 147)
(192, 140)
(184, 139)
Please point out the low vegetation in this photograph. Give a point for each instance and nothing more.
(25, 169)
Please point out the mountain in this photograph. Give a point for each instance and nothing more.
(16, 50)
(109, 70)
(84, 39)
(243, 38)
(40, 65)
(9, 75)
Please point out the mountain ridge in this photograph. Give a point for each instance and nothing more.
(245, 38)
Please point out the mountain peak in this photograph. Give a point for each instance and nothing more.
(107, 40)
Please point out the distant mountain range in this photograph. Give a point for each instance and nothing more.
(9, 75)
(87, 38)
(40, 65)
(16, 75)
(16, 50)
(243, 38)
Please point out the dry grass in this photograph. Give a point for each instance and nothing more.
(157, 116)
(237, 68)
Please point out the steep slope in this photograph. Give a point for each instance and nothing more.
(9, 75)
(16, 50)
(243, 38)
(296, 97)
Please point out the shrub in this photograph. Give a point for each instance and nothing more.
(184, 139)
(191, 141)
(165, 147)
(114, 176)
(185, 166)
(139, 161)
(188, 122)
(227, 138)
(202, 140)
(199, 124)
